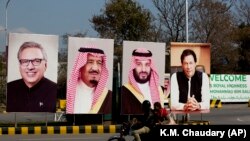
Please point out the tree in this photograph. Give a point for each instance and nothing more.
(3, 80)
(172, 16)
(78, 34)
(243, 11)
(242, 35)
(123, 20)
(212, 22)
(171, 23)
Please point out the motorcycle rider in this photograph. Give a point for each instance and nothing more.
(148, 121)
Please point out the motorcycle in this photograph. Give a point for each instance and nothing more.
(126, 129)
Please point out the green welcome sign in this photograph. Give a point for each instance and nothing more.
(230, 88)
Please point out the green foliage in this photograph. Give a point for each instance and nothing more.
(123, 20)
(172, 19)
(2, 80)
(78, 34)
(62, 80)
(212, 22)
(241, 36)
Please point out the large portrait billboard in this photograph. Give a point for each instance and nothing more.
(90, 73)
(142, 75)
(190, 71)
(32, 73)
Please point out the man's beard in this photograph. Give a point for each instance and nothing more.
(94, 82)
(138, 79)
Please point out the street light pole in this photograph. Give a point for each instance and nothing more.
(187, 115)
(6, 23)
(187, 21)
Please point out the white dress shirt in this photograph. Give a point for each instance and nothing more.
(205, 93)
(83, 98)
(145, 89)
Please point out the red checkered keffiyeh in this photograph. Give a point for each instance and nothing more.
(80, 61)
(144, 54)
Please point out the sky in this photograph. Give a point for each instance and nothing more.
(52, 17)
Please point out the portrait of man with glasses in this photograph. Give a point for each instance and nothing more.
(33, 92)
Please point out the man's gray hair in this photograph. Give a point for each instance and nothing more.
(31, 45)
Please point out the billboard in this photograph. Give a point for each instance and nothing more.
(230, 87)
(190, 70)
(142, 75)
(32, 72)
(90, 75)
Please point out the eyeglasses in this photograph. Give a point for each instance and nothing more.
(34, 62)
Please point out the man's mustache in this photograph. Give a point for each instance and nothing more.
(94, 71)
(143, 72)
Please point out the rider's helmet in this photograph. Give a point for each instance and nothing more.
(146, 105)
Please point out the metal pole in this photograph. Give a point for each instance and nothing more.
(46, 119)
(119, 75)
(15, 120)
(6, 23)
(187, 115)
(187, 21)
